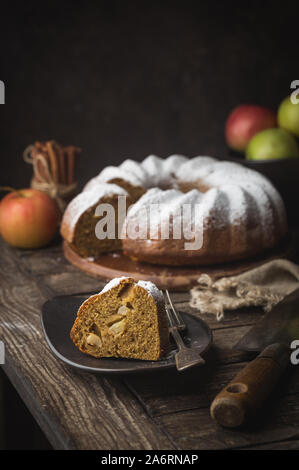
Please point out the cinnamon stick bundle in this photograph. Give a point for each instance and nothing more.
(54, 169)
(60, 160)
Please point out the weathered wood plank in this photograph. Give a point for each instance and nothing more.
(45, 261)
(82, 411)
(277, 445)
(197, 430)
(171, 393)
(10, 268)
(64, 402)
(76, 411)
(2, 437)
(71, 283)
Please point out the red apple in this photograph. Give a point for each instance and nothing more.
(28, 218)
(244, 122)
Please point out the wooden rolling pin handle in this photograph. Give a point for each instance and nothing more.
(239, 401)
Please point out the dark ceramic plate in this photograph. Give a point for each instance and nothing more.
(58, 316)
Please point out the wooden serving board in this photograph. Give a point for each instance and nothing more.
(180, 278)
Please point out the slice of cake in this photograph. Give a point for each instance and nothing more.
(126, 319)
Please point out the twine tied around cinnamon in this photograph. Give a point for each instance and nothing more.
(43, 179)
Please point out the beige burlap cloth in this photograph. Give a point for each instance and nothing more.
(263, 286)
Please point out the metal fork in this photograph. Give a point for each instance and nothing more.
(185, 357)
(180, 324)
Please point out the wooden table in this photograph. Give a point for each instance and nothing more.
(82, 411)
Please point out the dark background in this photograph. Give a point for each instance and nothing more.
(126, 79)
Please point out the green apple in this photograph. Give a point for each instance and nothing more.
(288, 116)
(272, 144)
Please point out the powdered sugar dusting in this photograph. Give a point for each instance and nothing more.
(195, 168)
(154, 167)
(87, 199)
(111, 172)
(264, 206)
(156, 173)
(234, 191)
(113, 283)
(134, 168)
(91, 184)
(164, 209)
(152, 289)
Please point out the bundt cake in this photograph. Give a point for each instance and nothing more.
(80, 219)
(235, 212)
(126, 319)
